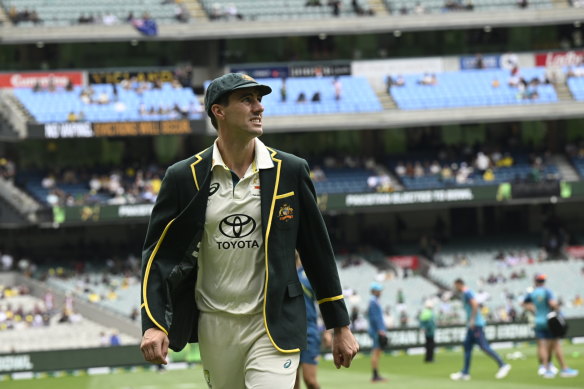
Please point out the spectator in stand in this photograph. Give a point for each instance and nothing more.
(181, 13)
(336, 6)
(523, 3)
(338, 88)
(428, 79)
(301, 98)
(313, 3)
(147, 26)
(418, 170)
(109, 19)
(317, 174)
(283, 90)
(482, 162)
(231, 12)
(419, 9)
(315, 97)
(400, 169)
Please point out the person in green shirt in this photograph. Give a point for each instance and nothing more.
(428, 324)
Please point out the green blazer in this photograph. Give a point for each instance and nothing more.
(290, 220)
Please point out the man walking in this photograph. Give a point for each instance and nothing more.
(475, 334)
(542, 301)
(376, 330)
(218, 263)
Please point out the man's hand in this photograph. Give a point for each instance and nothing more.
(345, 346)
(154, 346)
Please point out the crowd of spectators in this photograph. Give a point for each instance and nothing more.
(336, 6)
(225, 12)
(114, 187)
(451, 169)
(89, 96)
(17, 316)
(337, 89)
(456, 6)
(17, 16)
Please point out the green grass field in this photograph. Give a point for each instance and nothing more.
(403, 372)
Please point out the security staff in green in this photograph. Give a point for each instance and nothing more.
(218, 262)
(428, 324)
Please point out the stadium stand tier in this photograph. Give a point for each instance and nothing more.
(522, 169)
(280, 9)
(47, 330)
(68, 12)
(98, 187)
(356, 96)
(398, 7)
(104, 103)
(471, 88)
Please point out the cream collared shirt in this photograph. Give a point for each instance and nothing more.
(231, 272)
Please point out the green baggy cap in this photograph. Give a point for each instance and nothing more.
(228, 83)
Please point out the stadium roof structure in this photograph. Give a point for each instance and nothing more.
(413, 118)
(207, 30)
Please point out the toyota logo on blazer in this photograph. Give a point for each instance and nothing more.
(237, 226)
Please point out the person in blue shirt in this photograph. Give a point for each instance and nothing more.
(308, 356)
(475, 334)
(376, 329)
(542, 301)
(428, 324)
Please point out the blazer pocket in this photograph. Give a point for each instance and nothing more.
(294, 289)
(286, 210)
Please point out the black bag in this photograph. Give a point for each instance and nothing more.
(383, 341)
(557, 324)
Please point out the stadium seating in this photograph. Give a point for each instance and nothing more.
(280, 9)
(357, 96)
(49, 107)
(576, 85)
(521, 169)
(356, 280)
(563, 277)
(121, 295)
(67, 12)
(437, 6)
(53, 336)
(344, 180)
(579, 164)
(469, 88)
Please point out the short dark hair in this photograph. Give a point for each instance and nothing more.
(459, 281)
(221, 100)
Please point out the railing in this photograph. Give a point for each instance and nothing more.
(13, 115)
(23, 203)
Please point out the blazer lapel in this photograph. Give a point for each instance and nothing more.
(201, 167)
(269, 179)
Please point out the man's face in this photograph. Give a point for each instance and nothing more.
(458, 287)
(243, 114)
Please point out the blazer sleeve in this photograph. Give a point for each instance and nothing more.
(153, 293)
(317, 255)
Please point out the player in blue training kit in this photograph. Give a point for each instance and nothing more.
(308, 356)
(475, 334)
(542, 301)
(376, 329)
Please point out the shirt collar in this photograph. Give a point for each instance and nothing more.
(262, 158)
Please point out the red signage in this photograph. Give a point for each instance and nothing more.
(575, 251)
(406, 261)
(28, 80)
(561, 58)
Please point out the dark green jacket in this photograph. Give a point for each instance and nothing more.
(290, 220)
